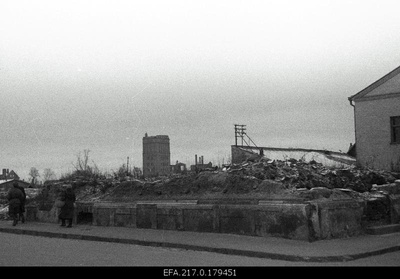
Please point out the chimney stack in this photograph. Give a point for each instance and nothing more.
(195, 159)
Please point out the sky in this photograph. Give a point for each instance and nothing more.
(98, 75)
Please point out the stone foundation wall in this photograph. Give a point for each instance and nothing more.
(312, 220)
(293, 220)
(266, 218)
(392, 190)
(336, 219)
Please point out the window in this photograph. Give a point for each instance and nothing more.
(395, 128)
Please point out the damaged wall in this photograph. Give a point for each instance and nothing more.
(336, 219)
(327, 158)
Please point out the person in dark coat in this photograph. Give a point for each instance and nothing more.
(22, 205)
(67, 211)
(14, 197)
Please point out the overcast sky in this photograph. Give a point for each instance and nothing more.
(98, 75)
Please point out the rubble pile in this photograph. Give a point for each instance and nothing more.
(255, 178)
(259, 179)
(300, 174)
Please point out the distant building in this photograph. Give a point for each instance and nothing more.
(377, 123)
(156, 156)
(178, 167)
(199, 165)
(8, 175)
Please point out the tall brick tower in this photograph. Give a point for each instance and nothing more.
(156, 155)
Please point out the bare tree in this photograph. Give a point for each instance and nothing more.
(82, 166)
(82, 163)
(48, 174)
(34, 173)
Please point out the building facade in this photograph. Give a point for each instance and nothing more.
(156, 156)
(8, 175)
(377, 123)
(200, 166)
(179, 168)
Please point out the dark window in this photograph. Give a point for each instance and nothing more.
(395, 128)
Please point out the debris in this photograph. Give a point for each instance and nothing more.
(258, 178)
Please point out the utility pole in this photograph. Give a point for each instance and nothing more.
(127, 166)
(239, 132)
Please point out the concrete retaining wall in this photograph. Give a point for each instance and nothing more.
(293, 220)
(266, 218)
(336, 219)
(393, 192)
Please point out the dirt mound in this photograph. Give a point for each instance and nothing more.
(206, 184)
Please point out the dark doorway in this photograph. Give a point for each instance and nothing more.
(84, 218)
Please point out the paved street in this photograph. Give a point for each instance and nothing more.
(35, 251)
(24, 250)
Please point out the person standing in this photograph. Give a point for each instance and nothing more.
(22, 205)
(67, 211)
(15, 198)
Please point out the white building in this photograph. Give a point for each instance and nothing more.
(377, 123)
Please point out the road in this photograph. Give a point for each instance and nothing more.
(25, 250)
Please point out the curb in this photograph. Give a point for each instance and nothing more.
(228, 251)
(385, 229)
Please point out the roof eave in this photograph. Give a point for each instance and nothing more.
(374, 85)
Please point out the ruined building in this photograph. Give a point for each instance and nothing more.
(156, 155)
(199, 165)
(178, 167)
